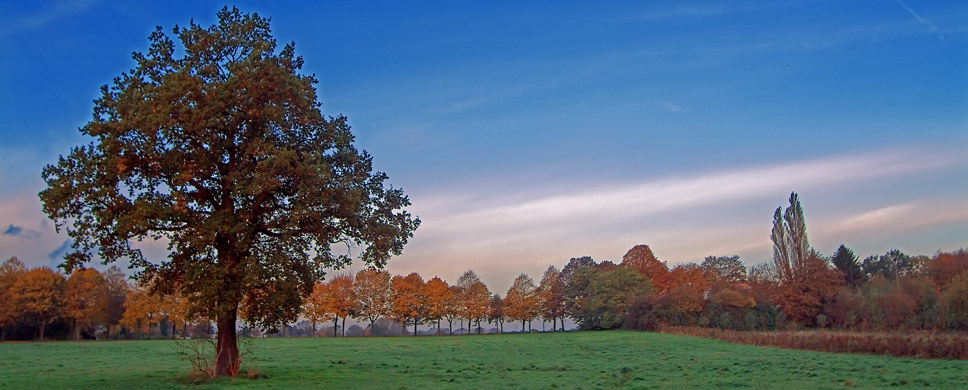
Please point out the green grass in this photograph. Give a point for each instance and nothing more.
(563, 360)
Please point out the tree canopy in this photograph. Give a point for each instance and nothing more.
(219, 148)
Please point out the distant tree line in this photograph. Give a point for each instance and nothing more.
(800, 288)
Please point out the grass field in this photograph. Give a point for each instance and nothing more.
(563, 360)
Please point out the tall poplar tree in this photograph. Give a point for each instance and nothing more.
(218, 147)
(791, 249)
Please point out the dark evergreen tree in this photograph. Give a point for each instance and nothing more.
(845, 261)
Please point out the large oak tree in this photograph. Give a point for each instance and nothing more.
(219, 147)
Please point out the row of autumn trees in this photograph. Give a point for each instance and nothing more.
(87, 304)
(890, 291)
(799, 288)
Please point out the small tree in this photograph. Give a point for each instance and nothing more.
(551, 297)
(38, 297)
(409, 299)
(374, 294)
(724, 269)
(496, 313)
(142, 308)
(86, 299)
(316, 307)
(846, 262)
(475, 299)
(641, 259)
(344, 298)
(521, 301)
(10, 272)
(439, 296)
(117, 289)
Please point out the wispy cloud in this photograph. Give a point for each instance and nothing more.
(641, 199)
(917, 17)
(51, 14)
(520, 230)
(672, 107)
(58, 253)
(12, 230)
(18, 231)
(904, 216)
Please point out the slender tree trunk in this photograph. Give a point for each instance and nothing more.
(75, 332)
(227, 348)
(414, 327)
(344, 327)
(450, 325)
(335, 326)
(42, 323)
(522, 326)
(314, 329)
(554, 324)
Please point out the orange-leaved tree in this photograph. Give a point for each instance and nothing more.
(10, 272)
(374, 294)
(316, 306)
(409, 300)
(454, 307)
(641, 258)
(344, 298)
(141, 309)
(687, 285)
(521, 301)
(551, 299)
(86, 300)
(475, 298)
(439, 296)
(39, 297)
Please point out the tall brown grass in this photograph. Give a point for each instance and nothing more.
(918, 344)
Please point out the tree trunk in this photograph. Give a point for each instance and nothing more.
(344, 327)
(314, 329)
(450, 325)
(75, 332)
(415, 327)
(335, 326)
(227, 348)
(42, 323)
(522, 326)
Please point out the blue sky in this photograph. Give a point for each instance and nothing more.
(527, 133)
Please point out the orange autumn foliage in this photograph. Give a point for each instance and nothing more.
(641, 258)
